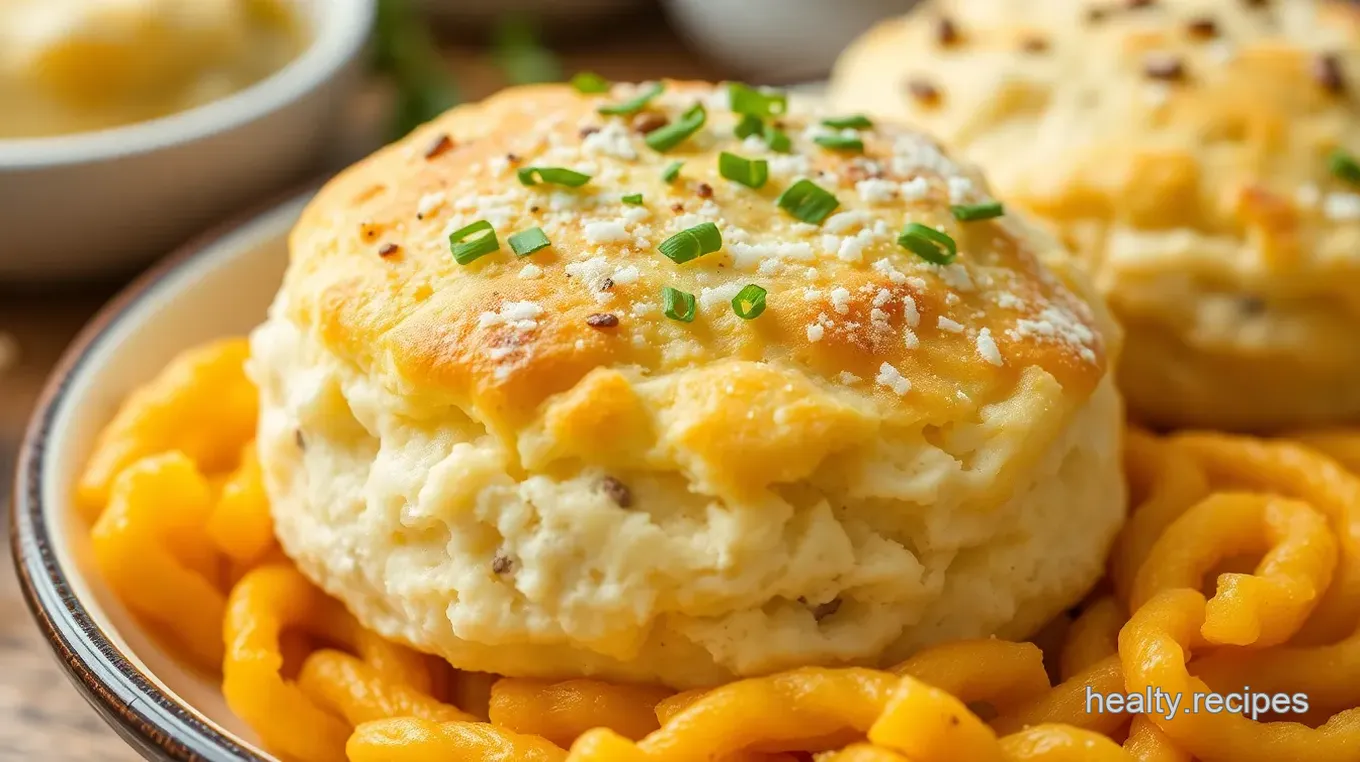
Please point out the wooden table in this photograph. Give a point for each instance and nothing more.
(41, 716)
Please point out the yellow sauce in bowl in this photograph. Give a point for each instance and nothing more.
(79, 65)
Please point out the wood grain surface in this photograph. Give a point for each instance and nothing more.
(41, 715)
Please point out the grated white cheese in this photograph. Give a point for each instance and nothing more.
(1008, 301)
(1057, 325)
(844, 222)
(815, 332)
(636, 214)
(875, 191)
(530, 271)
(1308, 195)
(909, 311)
(956, 276)
(720, 295)
(521, 316)
(428, 203)
(625, 275)
(593, 272)
(607, 231)
(909, 339)
(746, 256)
(960, 188)
(892, 378)
(946, 324)
(986, 347)
(613, 139)
(885, 267)
(847, 378)
(882, 297)
(840, 300)
(915, 189)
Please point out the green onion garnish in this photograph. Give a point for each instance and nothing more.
(807, 201)
(749, 302)
(839, 143)
(553, 175)
(672, 171)
(635, 104)
(748, 126)
(678, 305)
(975, 212)
(665, 138)
(761, 104)
(928, 244)
(1344, 166)
(748, 172)
(526, 242)
(633, 199)
(466, 248)
(704, 238)
(777, 140)
(590, 82)
(856, 122)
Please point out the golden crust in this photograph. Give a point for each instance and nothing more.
(1182, 148)
(499, 336)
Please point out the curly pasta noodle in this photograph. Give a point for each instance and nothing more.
(181, 532)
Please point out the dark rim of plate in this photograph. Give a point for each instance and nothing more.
(156, 724)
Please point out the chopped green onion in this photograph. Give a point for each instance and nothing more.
(590, 82)
(466, 248)
(1344, 166)
(777, 140)
(672, 171)
(928, 244)
(704, 238)
(749, 302)
(665, 138)
(748, 172)
(856, 122)
(975, 212)
(633, 199)
(526, 242)
(761, 104)
(678, 305)
(552, 175)
(748, 126)
(807, 201)
(839, 143)
(635, 104)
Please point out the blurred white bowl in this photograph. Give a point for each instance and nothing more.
(779, 41)
(97, 202)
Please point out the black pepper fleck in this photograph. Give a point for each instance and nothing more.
(588, 131)
(1327, 72)
(607, 284)
(924, 92)
(1203, 28)
(617, 491)
(1251, 305)
(704, 190)
(602, 320)
(1034, 45)
(946, 32)
(533, 209)
(1164, 67)
(1255, 3)
(821, 611)
(649, 121)
(1140, 4)
(501, 564)
(953, 719)
(440, 146)
(1096, 14)
(677, 207)
(388, 249)
(512, 158)
(299, 439)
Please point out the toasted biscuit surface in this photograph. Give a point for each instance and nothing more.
(494, 471)
(1182, 147)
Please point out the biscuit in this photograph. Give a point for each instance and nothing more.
(524, 465)
(1183, 148)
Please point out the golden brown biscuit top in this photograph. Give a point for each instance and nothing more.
(1219, 117)
(847, 306)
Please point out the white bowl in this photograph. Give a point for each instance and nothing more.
(779, 41)
(98, 202)
(218, 287)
